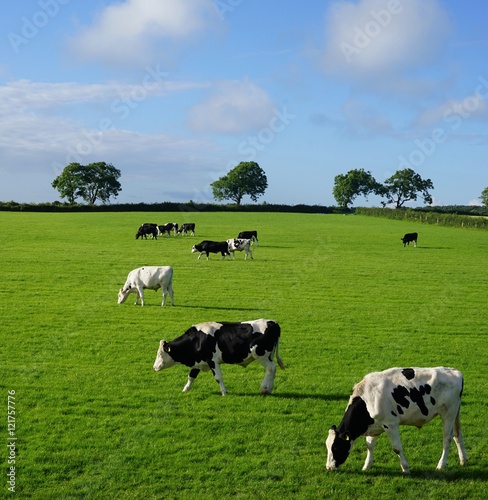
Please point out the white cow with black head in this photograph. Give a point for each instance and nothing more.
(383, 401)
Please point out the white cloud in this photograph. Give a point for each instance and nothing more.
(233, 107)
(126, 33)
(371, 38)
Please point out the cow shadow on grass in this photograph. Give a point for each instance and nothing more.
(220, 308)
(297, 395)
(433, 248)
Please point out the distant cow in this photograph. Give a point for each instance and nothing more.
(410, 237)
(207, 246)
(249, 235)
(383, 401)
(147, 228)
(239, 244)
(150, 277)
(187, 228)
(206, 345)
(167, 228)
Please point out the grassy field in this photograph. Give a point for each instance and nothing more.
(93, 420)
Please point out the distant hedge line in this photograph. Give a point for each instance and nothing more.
(166, 206)
(428, 216)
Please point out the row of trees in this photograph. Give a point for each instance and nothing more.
(99, 182)
(403, 186)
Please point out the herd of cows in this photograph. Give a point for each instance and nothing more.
(381, 402)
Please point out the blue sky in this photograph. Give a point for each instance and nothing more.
(175, 93)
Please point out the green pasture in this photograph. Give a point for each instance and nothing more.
(93, 420)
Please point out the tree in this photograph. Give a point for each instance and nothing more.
(356, 182)
(484, 197)
(404, 185)
(96, 181)
(247, 178)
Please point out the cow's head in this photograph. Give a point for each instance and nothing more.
(338, 448)
(194, 249)
(163, 357)
(123, 294)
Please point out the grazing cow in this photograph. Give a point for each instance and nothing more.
(410, 237)
(188, 227)
(151, 277)
(206, 345)
(147, 228)
(383, 401)
(167, 228)
(249, 235)
(207, 246)
(239, 244)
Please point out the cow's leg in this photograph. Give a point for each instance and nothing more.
(458, 439)
(370, 444)
(191, 378)
(451, 427)
(217, 373)
(140, 294)
(415, 243)
(171, 295)
(394, 435)
(270, 367)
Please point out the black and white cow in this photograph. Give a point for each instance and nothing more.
(150, 277)
(188, 227)
(207, 246)
(249, 235)
(383, 401)
(147, 228)
(239, 244)
(410, 237)
(167, 228)
(206, 345)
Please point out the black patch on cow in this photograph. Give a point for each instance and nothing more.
(394, 414)
(235, 340)
(194, 346)
(194, 373)
(356, 420)
(416, 395)
(400, 394)
(432, 401)
(408, 373)
(341, 447)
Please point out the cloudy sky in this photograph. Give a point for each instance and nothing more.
(175, 93)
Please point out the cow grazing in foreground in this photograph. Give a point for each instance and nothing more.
(239, 244)
(150, 277)
(383, 401)
(410, 237)
(167, 228)
(147, 228)
(188, 227)
(249, 235)
(207, 246)
(206, 345)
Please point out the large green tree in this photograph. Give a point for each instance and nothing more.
(484, 197)
(356, 182)
(94, 182)
(247, 178)
(406, 185)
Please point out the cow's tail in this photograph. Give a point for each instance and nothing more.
(278, 358)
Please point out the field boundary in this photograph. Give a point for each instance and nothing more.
(451, 220)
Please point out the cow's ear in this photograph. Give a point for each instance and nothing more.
(333, 428)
